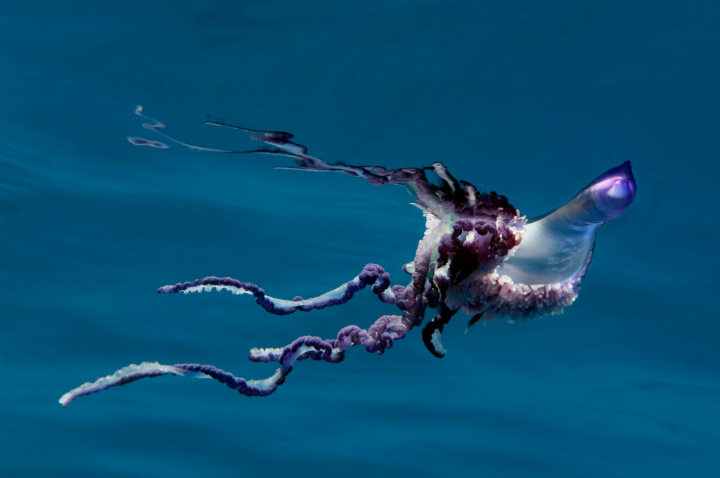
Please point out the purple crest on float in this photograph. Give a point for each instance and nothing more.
(478, 256)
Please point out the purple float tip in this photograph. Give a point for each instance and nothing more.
(614, 190)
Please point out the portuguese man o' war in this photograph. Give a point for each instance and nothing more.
(478, 256)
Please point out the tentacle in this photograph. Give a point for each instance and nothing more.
(474, 320)
(378, 338)
(133, 372)
(371, 274)
(431, 333)
(121, 377)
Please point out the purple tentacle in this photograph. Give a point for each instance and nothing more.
(125, 375)
(250, 388)
(370, 274)
(131, 373)
(379, 337)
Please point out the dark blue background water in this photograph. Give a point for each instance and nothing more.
(531, 99)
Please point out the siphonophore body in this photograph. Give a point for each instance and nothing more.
(478, 255)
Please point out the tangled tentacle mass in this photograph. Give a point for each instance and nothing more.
(478, 256)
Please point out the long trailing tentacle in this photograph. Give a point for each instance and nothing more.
(379, 337)
(371, 274)
(125, 375)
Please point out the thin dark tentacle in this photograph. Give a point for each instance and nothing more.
(432, 331)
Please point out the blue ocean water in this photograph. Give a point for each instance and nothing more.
(530, 99)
